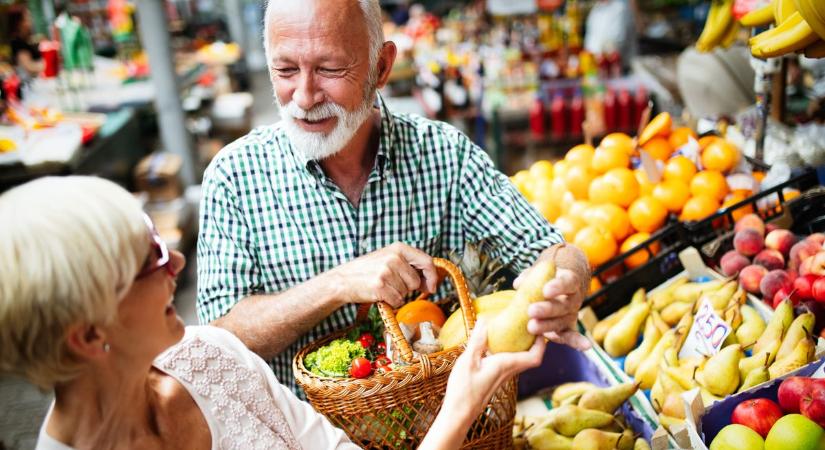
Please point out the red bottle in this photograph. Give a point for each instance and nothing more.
(558, 113)
(640, 103)
(576, 115)
(610, 111)
(537, 127)
(624, 113)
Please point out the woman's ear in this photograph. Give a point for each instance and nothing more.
(87, 342)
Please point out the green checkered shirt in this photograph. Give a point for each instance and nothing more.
(270, 219)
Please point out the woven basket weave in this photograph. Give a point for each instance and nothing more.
(395, 409)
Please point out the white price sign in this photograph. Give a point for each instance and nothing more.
(707, 333)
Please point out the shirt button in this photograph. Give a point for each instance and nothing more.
(365, 247)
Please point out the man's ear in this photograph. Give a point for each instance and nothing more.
(386, 59)
(87, 342)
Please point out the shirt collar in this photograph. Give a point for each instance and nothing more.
(386, 139)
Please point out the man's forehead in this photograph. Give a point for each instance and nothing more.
(300, 28)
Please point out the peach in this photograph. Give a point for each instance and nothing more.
(751, 276)
(818, 238)
(732, 262)
(801, 251)
(750, 221)
(748, 242)
(770, 259)
(773, 282)
(771, 227)
(780, 240)
(818, 263)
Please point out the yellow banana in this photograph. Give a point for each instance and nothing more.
(795, 34)
(759, 18)
(813, 11)
(782, 10)
(731, 34)
(816, 50)
(716, 25)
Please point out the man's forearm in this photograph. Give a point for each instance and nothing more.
(268, 324)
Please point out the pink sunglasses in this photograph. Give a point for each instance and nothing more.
(161, 251)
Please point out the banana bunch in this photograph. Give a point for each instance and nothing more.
(799, 26)
(720, 27)
(583, 416)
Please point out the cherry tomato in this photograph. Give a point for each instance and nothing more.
(360, 368)
(382, 361)
(366, 340)
(380, 348)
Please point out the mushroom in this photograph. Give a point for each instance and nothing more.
(428, 343)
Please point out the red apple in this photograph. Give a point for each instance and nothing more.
(804, 286)
(774, 281)
(812, 404)
(758, 414)
(791, 391)
(818, 289)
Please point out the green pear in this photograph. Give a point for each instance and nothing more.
(673, 313)
(690, 292)
(754, 362)
(626, 440)
(547, 439)
(719, 298)
(649, 368)
(507, 331)
(776, 327)
(659, 322)
(685, 376)
(604, 325)
(801, 355)
(650, 337)
(708, 398)
(567, 390)
(591, 439)
(623, 336)
(800, 328)
(570, 419)
(755, 377)
(664, 297)
(720, 376)
(608, 399)
(751, 328)
(663, 386)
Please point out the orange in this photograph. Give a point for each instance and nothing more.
(580, 154)
(597, 244)
(673, 194)
(578, 208)
(560, 169)
(699, 207)
(595, 285)
(577, 179)
(640, 256)
(523, 182)
(705, 141)
(543, 188)
(567, 200)
(568, 226)
(607, 158)
(418, 311)
(709, 182)
(548, 208)
(659, 148)
(618, 186)
(734, 198)
(610, 217)
(680, 137)
(659, 126)
(680, 168)
(645, 185)
(618, 140)
(542, 169)
(647, 214)
(720, 155)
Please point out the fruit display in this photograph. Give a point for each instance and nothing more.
(799, 27)
(583, 416)
(790, 417)
(603, 200)
(720, 28)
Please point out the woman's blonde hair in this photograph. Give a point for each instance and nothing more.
(70, 248)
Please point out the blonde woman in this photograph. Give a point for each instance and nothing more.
(86, 290)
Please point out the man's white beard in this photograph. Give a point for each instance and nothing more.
(317, 145)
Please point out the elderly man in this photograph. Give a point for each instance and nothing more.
(344, 202)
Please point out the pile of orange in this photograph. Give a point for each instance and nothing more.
(597, 201)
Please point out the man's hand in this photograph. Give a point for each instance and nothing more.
(556, 317)
(386, 275)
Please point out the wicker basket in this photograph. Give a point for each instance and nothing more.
(395, 409)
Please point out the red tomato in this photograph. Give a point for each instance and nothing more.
(360, 368)
(366, 340)
(380, 348)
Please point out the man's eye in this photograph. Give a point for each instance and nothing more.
(331, 71)
(285, 70)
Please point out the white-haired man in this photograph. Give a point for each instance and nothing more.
(344, 202)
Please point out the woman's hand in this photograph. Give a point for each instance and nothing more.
(473, 380)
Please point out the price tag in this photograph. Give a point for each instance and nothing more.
(707, 333)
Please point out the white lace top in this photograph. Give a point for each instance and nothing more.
(242, 402)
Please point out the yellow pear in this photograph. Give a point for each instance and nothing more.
(569, 420)
(754, 362)
(656, 317)
(690, 292)
(684, 375)
(664, 297)
(662, 387)
(507, 331)
(708, 398)
(670, 423)
(755, 377)
(626, 440)
(608, 399)
(801, 355)
(675, 311)
(649, 368)
(547, 439)
(453, 334)
(733, 315)
(623, 336)
(650, 337)
(641, 444)
(604, 325)
(674, 406)
(720, 376)
(718, 298)
(800, 328)
(776, 327)
(568, 390)
(591, 439)
(751, 328)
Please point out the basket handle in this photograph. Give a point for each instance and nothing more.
(444, 268)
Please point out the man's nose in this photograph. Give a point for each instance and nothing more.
(307, 94)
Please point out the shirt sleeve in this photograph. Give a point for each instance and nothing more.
(227, 266)
(495, 213)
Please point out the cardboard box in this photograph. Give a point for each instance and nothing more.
(157, 175)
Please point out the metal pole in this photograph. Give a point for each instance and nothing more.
(154, 36)
(234, 18)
